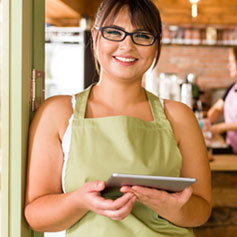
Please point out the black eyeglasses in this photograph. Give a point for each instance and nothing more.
(143, 38)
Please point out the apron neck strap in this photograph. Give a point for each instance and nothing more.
(156, 107)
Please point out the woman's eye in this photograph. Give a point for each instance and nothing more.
(143, 36)
(113, 32)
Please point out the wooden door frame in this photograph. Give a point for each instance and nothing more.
(22, 50)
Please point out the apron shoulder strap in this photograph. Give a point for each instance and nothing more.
(81, 103)
(158, 110)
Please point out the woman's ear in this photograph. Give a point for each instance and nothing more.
(93, 32)
(94, 35)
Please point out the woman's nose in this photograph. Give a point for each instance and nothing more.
(127, 42)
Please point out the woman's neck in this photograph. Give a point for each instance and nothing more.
(120, 94)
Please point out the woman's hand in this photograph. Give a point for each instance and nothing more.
(162, 202)
(206, 124)
(218, 128)
(90, 199)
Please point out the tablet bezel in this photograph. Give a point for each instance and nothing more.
(171, 184)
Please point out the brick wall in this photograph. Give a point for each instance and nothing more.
(209, 63)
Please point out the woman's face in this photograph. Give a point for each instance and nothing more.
(123, 60)
(232, 65)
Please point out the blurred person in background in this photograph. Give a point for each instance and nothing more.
(227, 106)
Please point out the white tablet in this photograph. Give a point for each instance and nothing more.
(171, 184)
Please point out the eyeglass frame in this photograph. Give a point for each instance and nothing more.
(101, 29)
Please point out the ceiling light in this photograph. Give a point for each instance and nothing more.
(194, 7)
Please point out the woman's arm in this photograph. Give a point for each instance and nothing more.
(213, 114)
(192, 206)
(45, 201)
(223, 127)
(47, 208)
(216, 111)
(195, 164)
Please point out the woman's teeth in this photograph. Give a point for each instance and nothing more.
(125, 59)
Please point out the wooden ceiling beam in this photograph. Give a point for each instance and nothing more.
(210, 12)
(59, 9)
(175, 12)
(90, 7)
(63, 22)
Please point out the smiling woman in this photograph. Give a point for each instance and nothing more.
(116, 126)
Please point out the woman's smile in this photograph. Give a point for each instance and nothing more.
(125, 60)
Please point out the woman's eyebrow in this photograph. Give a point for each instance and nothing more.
(117, 27)
(121, 28)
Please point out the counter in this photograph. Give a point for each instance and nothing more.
(223, 221)
(224, 163)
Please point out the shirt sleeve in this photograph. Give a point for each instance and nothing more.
(227, 91)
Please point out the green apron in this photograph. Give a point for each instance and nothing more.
(121, 144)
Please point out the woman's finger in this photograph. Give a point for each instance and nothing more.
(121, 213)
(95, 186)
(101, 203)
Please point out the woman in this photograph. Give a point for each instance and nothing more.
(227, 106)
(117, 126)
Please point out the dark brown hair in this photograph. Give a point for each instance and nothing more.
(235, 53)
(143, 13)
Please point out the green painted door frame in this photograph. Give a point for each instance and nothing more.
(23, 50)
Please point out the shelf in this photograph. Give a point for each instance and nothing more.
(201, 45)
(199, 36)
